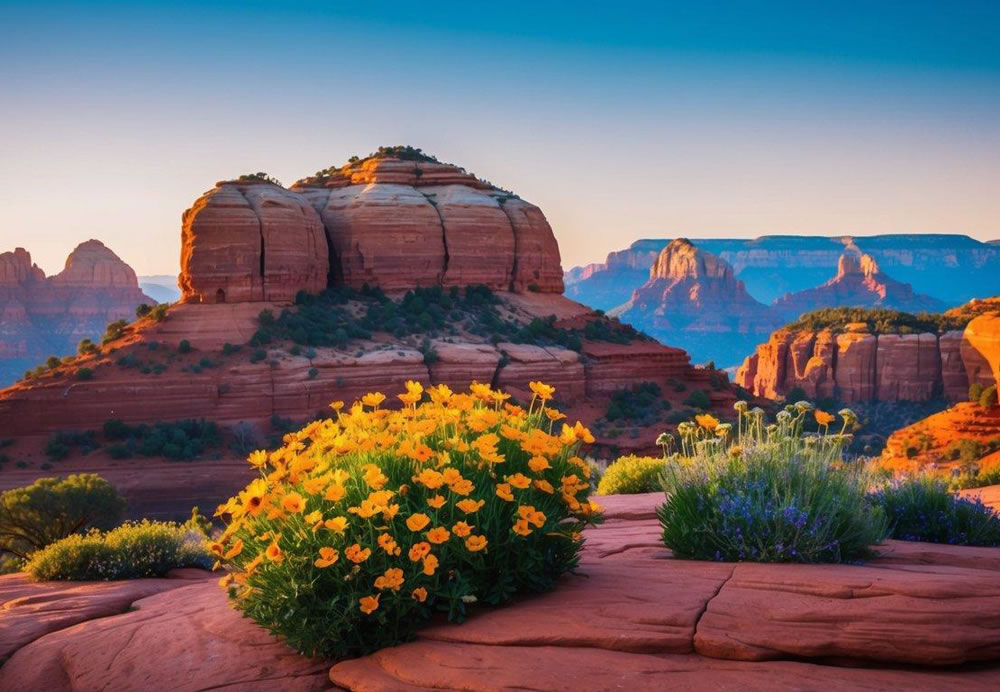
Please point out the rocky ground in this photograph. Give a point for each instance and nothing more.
(921, 616)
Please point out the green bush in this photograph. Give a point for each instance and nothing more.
(114, 331)
(86, 347)
(641, 403)
(924, 509)
(178, 440)
(160, 312)
(988, 399)
(142, 310)
(699, 399)
(52, 508)
(184, 346)
(773, 495)
(60, 444)
(131, 551)
(630, 475)
(975, 391)
(883, 320)
(84, 374)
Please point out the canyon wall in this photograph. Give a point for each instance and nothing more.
(42, 316)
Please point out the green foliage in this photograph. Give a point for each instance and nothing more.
(84, 374)
(49, 509)
(199, 523)
(632, 474)
(131, 551)
(988, 399)
(86, 347)
(641, 404)
(976, 480)
(53, 362)
(882, 320)
(142, 310)
(698, 399)
(178, 441)
(773, 495)
(160, 312)
(258, 355)
(258, 177)
(924, 509)
(61, 443)
(184, 346)
(975, 391)
(114, 331)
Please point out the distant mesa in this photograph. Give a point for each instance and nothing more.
(396, 219)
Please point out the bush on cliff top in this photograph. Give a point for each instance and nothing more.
(130, 551)
(768, 493)
(881, 320)
(924, 509)
(361, 527)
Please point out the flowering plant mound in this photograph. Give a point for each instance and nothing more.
(925, 509)
(631, 474)
(363, 525)
(769, 493)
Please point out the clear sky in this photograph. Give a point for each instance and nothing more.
(620, 119)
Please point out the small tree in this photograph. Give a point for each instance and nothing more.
(143, 309)
(52, 508)
(988, 399)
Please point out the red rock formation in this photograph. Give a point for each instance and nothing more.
(251, 241)
(399, 224)
(42, 316)
(859, 283)
(980, 349)
(907, 620)
(692, 299)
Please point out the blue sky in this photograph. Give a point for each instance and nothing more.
(621, 120)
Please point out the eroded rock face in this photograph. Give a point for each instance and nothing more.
(399, 224)
(857, 366)
(255, 241)
(40, 316)
(980, 349)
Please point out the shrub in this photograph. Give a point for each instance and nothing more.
(774, 495)
(924, 509)
(698, 399)
(258, 355)
(178, 441)
(640, 403)
(114, 331)
(184, 346)
(131, 551)
(52, 508)
(143, 309)
(86, 347)
(60, 444)
(457, 500)
(988, 399)
(53, 362)
(631, 474)
(160, 312)
(975, 391)
(84, 374)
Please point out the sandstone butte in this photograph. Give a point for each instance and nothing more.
(693, 299)
(251, 245)
(855, 364)
(918, 617)
(42, 316)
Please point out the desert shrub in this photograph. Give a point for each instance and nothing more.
(61, 443)
(924, 509)
(160, 312)
(114, 331)
(258, 355)
(698, 399)
(178, 440)
(631, 474)
(86, 347)
(84, 374)
(640, 403)
(130, 551)
(772, 495)
(199, 523)
(882, 320)
(184, 346)
(988, 399)
(53, 362)
(975, 391)
(375, 520)
(143, 309)
(52, 508)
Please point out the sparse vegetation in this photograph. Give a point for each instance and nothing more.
(178, 441)
(883, 320)
(924, 509)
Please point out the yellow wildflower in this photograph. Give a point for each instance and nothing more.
(542, 391)
(373, 399)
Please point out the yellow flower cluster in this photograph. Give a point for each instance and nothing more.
(407, 506)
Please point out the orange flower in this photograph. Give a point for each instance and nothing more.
(356, 554)
(419, 551)
(419, 594)
(461, 529)
(707, 421)
(518, 480)
(430, 478)
(475, 543)
(538, 464)
(542, 391)
(293, 502)
(521, 527)
(235, 550)
(374, 476)
(416, 522)
(327, 556)
(258, 458)
(438, 535)
(337, 524)
(823, 418)
(436, 502)
(469, 505)
(504, 493)
(274, 553)
(314, 485)
(391, 579)
(373, 399)
(335, 493)
(369, 604)
(544, 486)
(388, 544)
(462, 487)
(430, 565)
(554, 415)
